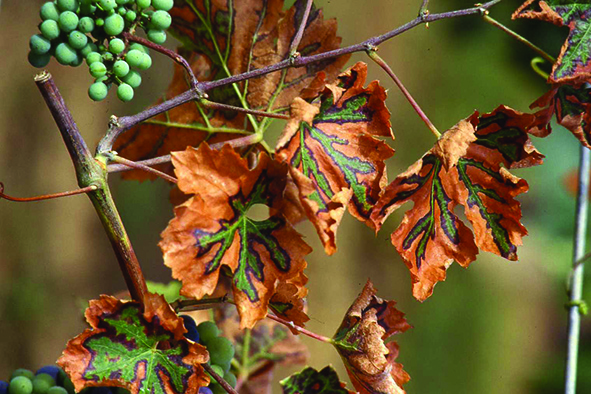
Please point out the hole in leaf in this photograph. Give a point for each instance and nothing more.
(258, 212)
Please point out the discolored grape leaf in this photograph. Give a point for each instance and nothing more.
(574, 62)
(212, 229)
(361, 343)
(334, 158)
(572, 106)
(467, 166)
(310, 381)
(223, 38)
(144, 352)
(270, 344)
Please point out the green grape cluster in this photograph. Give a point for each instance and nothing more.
(49, 379)
(76, 30)
(221, 352)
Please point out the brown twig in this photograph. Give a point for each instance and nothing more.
(171, 54)
(219, 379)
(299, 329)
(226, 107)
(140, 166)
(293, 47)
(382, 63)
(126, 122)
(181, 305)
(46, 196)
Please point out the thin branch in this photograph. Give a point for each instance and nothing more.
(219, 379)
(295, 43)
(119, 125)
(518, 37)
(576, 285)
(84, 163)
(171, 54)
(91, 172)
(376, 58)
(299, 329)
(226, 107)
(182, 305)
(247, 140)
(150, 162)
(139, 166)
(47, 196)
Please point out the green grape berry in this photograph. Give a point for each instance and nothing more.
(230, 378)
(88, 49)
(121, 68)
(99, 21)
(86, 24)
(98, 91)
(87, 9)
(220, 350)
(125, 92)
(116, 45)
(122, 2)
(65, 54)
(161, 20)
(77, 40)
(77, 61)
(218, 370)
(98, 69)
(207, 331)
(20, 385)
(50, 29)
(107, 5)
(57, 390)
(49, 11)
(67, 5)
(143, 3)
(139, 47)
(164, 5)
(93, 57)
(134, 57)
(216, 388)
(146, 62)
(22, 372)
(68, 21)
(157, 36)
(130, 15)
(114, 25)
(39, 44)
(39, 61)
(42, 383)
(122, 11)
(133, 79)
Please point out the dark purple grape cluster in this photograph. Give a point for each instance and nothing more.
(221, 352)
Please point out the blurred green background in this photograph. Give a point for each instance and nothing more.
(498, 327)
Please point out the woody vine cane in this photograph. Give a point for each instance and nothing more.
(212, 246)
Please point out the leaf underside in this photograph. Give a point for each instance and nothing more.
(361, 343)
